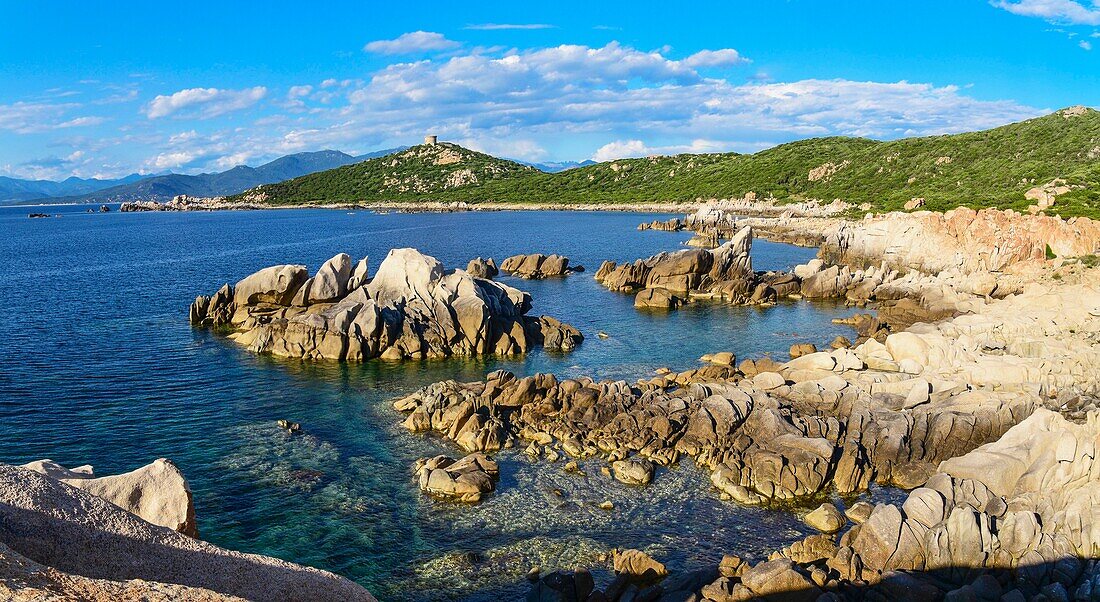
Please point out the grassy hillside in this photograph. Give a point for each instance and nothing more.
(418, 173)
(979, 169)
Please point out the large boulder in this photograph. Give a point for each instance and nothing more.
(536, 266)
(75, 532)
(157, 492)
(464, 480)
(276, 285)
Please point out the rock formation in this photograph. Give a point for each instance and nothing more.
(670, 279)
(538, 266)
(482, 268)
(60, 542)
(829, 420)
(157, 492)
(411, 308)
(1015, 519)
(674, 224)
(465, 480)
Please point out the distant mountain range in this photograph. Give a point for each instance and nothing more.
(556, 166)
(13, 189)
(164, 187)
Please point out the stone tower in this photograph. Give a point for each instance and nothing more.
(430, 140)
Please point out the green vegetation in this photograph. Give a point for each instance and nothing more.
(978, 169)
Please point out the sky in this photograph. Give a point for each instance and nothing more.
(105, 89)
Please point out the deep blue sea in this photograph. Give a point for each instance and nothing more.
(98, 365)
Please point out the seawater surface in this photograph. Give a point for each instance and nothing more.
(99, 365)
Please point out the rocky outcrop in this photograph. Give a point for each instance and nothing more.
(411, 308)
(90, 549)
(158, 492)
(674, 224)
(1015, 519)
(465, 480)
(482, 268)
(887, 411)
(538, 266)
(189, 203)
(667, 280)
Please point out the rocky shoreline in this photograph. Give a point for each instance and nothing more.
(989, 360)
(973, 389)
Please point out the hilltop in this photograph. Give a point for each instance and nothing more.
(423, 172)
(994, 167)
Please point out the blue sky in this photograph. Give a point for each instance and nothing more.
(107, 89)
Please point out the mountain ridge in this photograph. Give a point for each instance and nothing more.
(163, 187)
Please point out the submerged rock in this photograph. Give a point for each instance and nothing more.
(411, 308)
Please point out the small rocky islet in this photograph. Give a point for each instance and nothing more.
(972, 388)
(411, 308)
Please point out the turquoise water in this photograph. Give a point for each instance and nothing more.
(100, 366)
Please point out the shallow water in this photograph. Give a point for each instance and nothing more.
(100, 366)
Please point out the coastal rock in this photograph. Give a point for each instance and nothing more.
(632, 471)
(536, 266)
(157, 492)
(465, 480)
(637, 565)
(780, 579)
(276, 285)
(482, 268)
(665, 279)
(826, 518)
(411, 308)
(96, 550)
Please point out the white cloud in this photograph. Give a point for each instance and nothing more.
(715, 58)
(35, 117)
(624, 149)
(1063, 11)
(511, 148)
(412, 42)
(172, 160)
(1085, 44)
(499, 26)
(620, 149)
(540, 93)
(204, 103)
(233, 160)
(299, 91)
(81, 122)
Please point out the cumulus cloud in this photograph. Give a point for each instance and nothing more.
(500, 26)
(625, 149)
(572, 89)
(204, 103)
(1085, 44)
(412, 42)
(1063, 11)
(522, 149)
(299, 91)
(715, 58)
